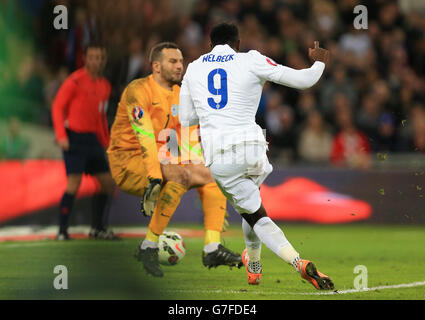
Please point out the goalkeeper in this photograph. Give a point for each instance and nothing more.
(140, 152)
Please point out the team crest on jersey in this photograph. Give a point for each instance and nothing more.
(174, 110)
(137, 113)
(271, 62)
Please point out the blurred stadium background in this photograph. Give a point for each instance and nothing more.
(374, 88)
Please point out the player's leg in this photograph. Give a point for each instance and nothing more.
(74, 165)
(230, 172)
(213, 204)
(243, 192)
(97, 165)
(131, 176)
(284, 250)
(101, 205)
(66, 204)
(273, 237)
(251, 256)
(214, 208)
(176, 183)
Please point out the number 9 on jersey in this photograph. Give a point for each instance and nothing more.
(221, 75)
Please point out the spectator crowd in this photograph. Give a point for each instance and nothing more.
(371, 98)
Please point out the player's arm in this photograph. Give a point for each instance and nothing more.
(187, 112)
(137, 103)
(59, 108)
(266, 69)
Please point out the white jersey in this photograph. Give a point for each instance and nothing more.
(221, 91)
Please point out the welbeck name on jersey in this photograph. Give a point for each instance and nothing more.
(212, 58)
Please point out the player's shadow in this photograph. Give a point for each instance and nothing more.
(94, 272)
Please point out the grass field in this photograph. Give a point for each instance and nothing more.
(107, 270)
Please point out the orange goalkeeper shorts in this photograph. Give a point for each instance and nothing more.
(129, 174)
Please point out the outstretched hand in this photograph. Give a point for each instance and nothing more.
(318, 54)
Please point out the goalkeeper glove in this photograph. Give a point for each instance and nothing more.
(150, 196)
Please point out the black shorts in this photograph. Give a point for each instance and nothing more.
(85, 154)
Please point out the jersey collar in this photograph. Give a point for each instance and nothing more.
(161, 89)
(222, 48)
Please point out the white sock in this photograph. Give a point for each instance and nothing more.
(289, 254)
(211, 247)
(252, 242)
(273, 237)
(255, 266)
(148, 244)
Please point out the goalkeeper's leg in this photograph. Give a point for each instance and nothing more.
(177, 183)
(214, 207)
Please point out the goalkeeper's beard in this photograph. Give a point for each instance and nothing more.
(170, 78)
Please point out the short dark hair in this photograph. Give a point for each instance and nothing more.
(224, 33)
(93, 44)
(156, 51)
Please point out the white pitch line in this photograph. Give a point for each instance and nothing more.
(24, 244)
(48, 242)
(396, 286)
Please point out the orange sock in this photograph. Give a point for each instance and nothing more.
(168, 200)
(214, 207)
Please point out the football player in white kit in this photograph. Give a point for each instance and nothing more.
(220, 92)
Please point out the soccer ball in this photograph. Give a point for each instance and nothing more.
(171, 248)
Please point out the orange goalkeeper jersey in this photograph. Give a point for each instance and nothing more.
(146, 116)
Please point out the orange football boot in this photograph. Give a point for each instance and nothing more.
(309, 272)
(253, 278)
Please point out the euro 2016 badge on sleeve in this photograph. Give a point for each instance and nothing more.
(174, 110)
(137, 113)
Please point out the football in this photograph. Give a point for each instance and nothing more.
(171, 248)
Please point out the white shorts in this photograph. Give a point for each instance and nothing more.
(239, 173)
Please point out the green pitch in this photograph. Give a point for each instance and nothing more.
(393, 255)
